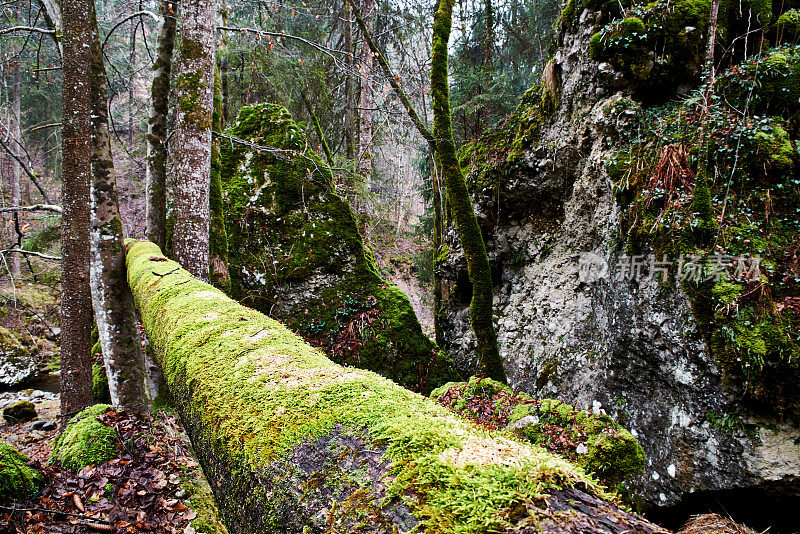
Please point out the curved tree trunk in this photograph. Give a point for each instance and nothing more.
(480, 309)
(156, 176)
(113, 304)
(76, 302)
(292, 442)
(195, 90)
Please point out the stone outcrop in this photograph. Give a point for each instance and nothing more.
(295, 254)
(553, 209)
(16, 362)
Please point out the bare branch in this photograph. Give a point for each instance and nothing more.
(26, 29)
(36, 207)
(30, 253)
(280, 35)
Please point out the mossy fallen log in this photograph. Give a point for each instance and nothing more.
(292, 442)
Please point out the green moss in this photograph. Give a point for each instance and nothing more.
(286, 227)
(595, 442)
(788, 26)
(17, 480)
(11, 347)
(19, 412)
(775, 73)
(254, 391)
(42, 240)
(100, 392)
(85, 440)
(775, 149)
(190, 87)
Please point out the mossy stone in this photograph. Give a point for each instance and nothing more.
(20, 412)
(294, 252)
(17, 480)
(86, 441)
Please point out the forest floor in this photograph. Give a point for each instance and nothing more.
(155, 485)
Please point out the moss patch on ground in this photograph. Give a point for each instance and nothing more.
(255, 392)
(296, 254)
(86, 441)
(17, 480)
(595, 442)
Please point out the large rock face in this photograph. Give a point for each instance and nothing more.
(296, 255)
(634, 347)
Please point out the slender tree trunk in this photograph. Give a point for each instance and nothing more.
(437, 250)
(705, 224)
(156, 177)
(113, 303)
(222, 62)
(16, 142)
(218, 246)
(349, 113)
(195, 83)
(488, 355)
(488, 52)
(366, 99)
(131, 79)
(76, 302)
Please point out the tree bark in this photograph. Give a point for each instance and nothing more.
(366, 100)
(488, 355)
(195, 90)
(16, 140)
(305, 445)
(349, 90)
(76, 303)
(113, 303)
(156, 174)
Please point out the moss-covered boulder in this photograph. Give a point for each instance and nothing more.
(16, 362)
(593, 441)
(18, 481)
(296, 254)
(19, 412)
(86, 440)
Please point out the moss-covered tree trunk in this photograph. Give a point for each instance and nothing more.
(76, 300)
(488, 355)
(156, 174)
(195, 91)
(113, 303)
(292, 442)
(218, 245)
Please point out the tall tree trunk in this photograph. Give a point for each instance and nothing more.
(488, 355)
(437, 250)
(218, 245)
(16, 143)
(705, 223)
(366, 99)
(488, 53)
(156, 177)
(195, 83)
(131, 79)
(113, 303)
(222, 62)
(349, 90)
(76, 302)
